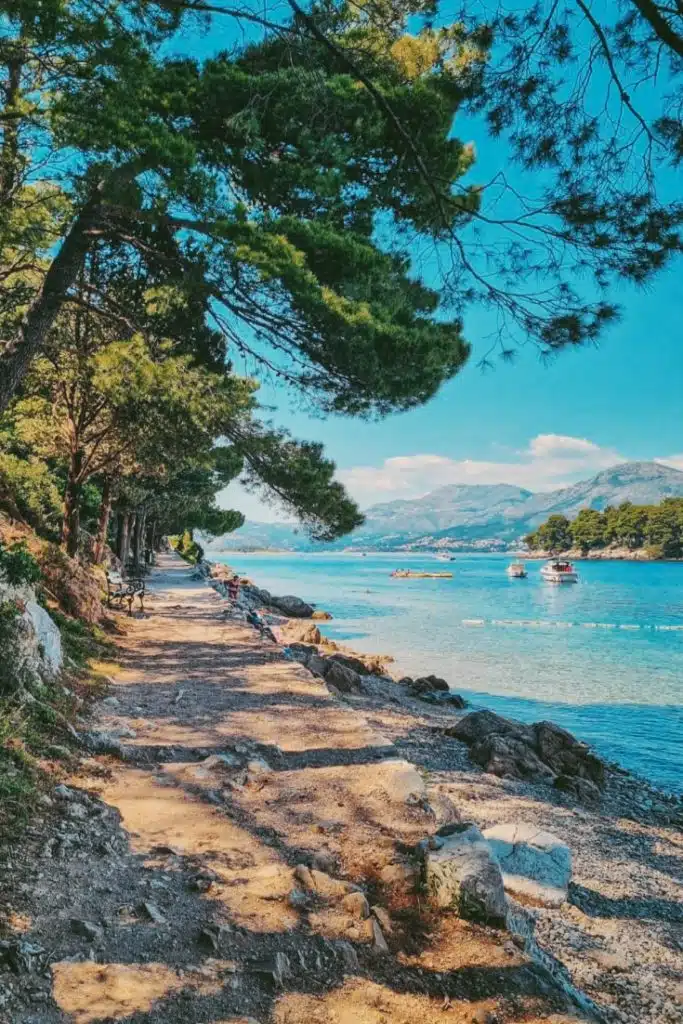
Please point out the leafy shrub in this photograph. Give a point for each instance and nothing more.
(18, 564)
(28, 491)
(74, 587)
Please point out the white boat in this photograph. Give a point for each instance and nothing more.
(559, 571)
(446, 558)
(517, 571)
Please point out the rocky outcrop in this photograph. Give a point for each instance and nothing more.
(535, 864)
(300, 632)
(32, 645)
(462, 874)
(428, 684)
(540, 752)
(321, 616)
(341, 676)
(292, 606)
(46, 637)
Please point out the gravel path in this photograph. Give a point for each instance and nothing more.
(246, 857)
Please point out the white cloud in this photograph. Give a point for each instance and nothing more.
(550, 461)
(560, 444)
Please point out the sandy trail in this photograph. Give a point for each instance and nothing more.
(170, 889)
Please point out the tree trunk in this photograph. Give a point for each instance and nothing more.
(139, 537)
(72, 505)
(42, 312)
(103, 521)
(123, 537)
(10, 134)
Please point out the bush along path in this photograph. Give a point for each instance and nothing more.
(239, 845)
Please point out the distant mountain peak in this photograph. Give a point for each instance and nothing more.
(460, 514)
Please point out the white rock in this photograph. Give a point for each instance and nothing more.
(402, 782)
(47, 637)
(534, 863)
(463, 874)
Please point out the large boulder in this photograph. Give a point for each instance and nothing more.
(47, 638)
(429, 684)
(479, 725)
(343, 678)
(439, 698)
(350, 661)
(566, 755)
(292, 606)
(302, 652)
(301, 632)
(543, 751)
(534, 863)
(462, 874)
(509, 757)
(320, 615)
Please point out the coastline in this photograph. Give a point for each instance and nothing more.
(611, 931)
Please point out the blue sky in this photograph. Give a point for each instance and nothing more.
(530, 423)
(620, 400)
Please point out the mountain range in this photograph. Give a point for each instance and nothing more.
(484, 516)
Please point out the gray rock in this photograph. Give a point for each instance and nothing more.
(111, 702)
(86, 929)
(478, 725)
(429, 684)
(439, 697)
(77, 811)
(292, 606)
(534, 863)
(63, 792)
(582, 789)
(349, 661)
(317, 665)
(342, 677)
(153, 912)
(302, 652)
(378, 940)
(463, 875)
(509, 757)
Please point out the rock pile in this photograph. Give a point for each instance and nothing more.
(432, 690)
(542, 751)
(337, 669)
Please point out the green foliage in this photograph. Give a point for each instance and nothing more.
(658, 528)
(553, 535)
(28, 491)
(18, 565)
(188, 548)
(588, 529)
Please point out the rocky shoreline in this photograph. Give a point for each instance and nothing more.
(612, 931)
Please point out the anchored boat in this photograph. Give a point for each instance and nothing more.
(559, 571)
(410, 574)
(517, 571)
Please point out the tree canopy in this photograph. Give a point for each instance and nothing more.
(658, 527)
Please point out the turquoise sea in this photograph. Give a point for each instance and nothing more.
(604, 658)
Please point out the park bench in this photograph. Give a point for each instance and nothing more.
(125, 588)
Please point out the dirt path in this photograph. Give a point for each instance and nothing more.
(175, 885)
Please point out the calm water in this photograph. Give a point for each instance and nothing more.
(603, 658)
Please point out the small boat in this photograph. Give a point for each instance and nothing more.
(446, 558)
(517, 571)
(410, 574)
(559, 571)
